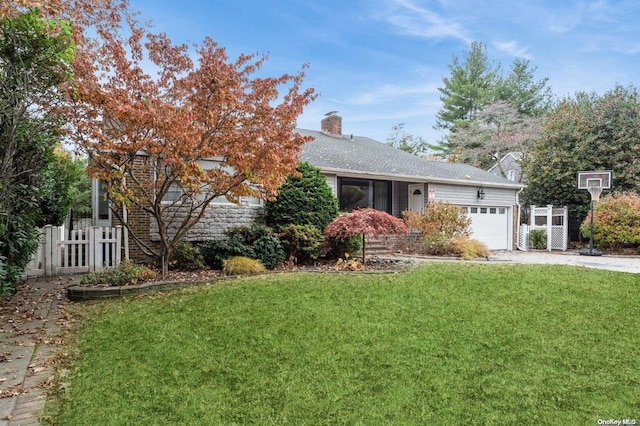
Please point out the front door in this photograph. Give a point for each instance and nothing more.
(416, 197)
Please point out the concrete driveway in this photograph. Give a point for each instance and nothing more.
(613, 263)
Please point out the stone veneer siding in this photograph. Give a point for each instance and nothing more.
(217, 219)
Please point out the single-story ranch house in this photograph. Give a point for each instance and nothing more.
(363, 172)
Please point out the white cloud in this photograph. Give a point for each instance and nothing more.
(421, 22)
(512, 48)
(389, 92)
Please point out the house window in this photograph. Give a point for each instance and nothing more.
(253, 201)
(362, 193)
(103, 203)
(511, 175)
(173, 194)
(100, 206)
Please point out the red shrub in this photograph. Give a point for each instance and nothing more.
(365, 221)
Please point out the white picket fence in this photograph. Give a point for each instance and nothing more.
(82, 250)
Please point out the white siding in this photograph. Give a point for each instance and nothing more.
(332, 181)
(468, 195)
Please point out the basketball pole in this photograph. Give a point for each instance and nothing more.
(591, 232)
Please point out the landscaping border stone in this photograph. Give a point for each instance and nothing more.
(77, 293)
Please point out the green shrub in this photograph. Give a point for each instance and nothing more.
(616, 221)
(240, 265)
(439, 219)
(186, 257)
(335, 248)
(268, 249)
(247, 235)
(18, 242)
(256, 241)
(305, 199)
(215, 252)
(127, 273)
(538, 239)
(301, 243)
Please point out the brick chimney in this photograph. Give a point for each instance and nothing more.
(332, 124)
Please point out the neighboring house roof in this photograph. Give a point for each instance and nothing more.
(358, 156)
(510, 161)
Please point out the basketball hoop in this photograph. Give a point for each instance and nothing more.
(594, 182)
(595, 192)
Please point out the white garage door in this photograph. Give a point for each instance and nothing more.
(491, 226)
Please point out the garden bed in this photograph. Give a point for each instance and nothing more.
(179, 279)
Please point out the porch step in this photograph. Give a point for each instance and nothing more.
(377, 246)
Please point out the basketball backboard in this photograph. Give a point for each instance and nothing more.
(597, 178)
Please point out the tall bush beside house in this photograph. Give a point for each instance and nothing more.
(439, 219)
(304, 199)
(446, 230)
(616, 221)
(304, 207)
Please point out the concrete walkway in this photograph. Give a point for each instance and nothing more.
(29, 325)
(629, 264)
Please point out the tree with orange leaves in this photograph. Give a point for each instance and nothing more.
(149, 138)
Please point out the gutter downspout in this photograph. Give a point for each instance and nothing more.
(518, 224)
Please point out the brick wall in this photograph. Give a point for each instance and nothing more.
(139, 221)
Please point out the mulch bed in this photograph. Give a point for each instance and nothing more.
(373, 264)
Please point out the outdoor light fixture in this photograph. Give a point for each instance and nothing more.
(481, 194)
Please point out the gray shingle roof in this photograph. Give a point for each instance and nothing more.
(362, 155)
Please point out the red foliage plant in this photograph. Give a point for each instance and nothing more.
(365, 221)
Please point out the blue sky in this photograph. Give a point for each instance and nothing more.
(380, 62)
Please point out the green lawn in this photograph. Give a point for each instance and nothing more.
(449, 343)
